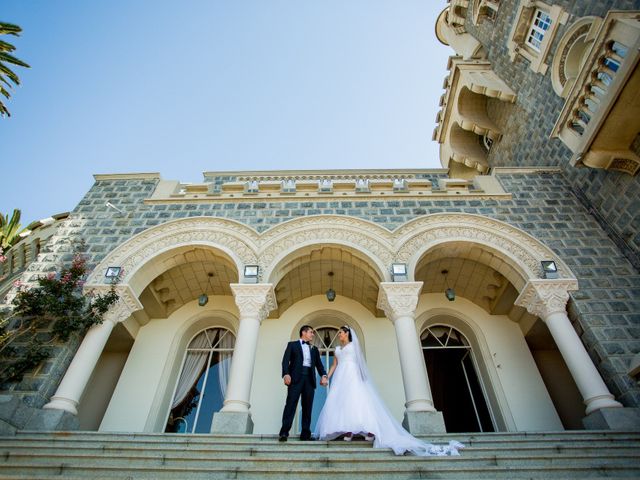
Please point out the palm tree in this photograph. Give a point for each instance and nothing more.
(7, 76)
(10, 229)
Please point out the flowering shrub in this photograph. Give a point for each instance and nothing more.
(52, 311)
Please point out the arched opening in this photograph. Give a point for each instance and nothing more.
(201, 386)
(315, 269)
(456, 386)
(168, 281)
(488, 278)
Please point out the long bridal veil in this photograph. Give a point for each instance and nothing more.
(389, 433)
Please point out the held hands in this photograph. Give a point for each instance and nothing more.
(323, 382)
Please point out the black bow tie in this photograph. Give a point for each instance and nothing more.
(307, 343)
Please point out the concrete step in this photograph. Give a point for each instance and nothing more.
(277, 451)
(434, 470)
(131, 455)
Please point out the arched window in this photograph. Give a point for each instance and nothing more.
(202, 383)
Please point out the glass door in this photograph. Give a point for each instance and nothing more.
(326, 340)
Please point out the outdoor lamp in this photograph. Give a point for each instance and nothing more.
(204, 298)
(549, 269)
(112, 273)
(399, 272)
(331, 293)
(450, 293)
(251, 273)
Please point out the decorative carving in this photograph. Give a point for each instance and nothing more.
(254, 300)
(399, 299)
(232, 235)
(374, 240)
(420, 234)
(127, 304)
(543, 298)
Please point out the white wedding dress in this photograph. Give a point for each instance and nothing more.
(353, 405)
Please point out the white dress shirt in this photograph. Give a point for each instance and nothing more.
(306, 354)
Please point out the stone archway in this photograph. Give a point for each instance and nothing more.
(520, 251)
(233, 240)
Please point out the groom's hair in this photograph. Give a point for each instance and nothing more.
(304, 328)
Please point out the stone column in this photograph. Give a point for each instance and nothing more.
(399, 301)
(254, 302)
(71, 388)
(547, 299)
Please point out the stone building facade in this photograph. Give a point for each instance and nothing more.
(538, 352)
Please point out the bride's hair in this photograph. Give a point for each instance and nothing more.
(347, 330)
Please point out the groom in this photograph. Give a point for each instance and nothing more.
(299, 363)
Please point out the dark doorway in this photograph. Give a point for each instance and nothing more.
(455, 385)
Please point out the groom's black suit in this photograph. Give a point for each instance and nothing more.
(303, 384)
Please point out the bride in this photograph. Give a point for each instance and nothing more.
(353, 407)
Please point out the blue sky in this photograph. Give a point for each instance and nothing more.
(208, 85)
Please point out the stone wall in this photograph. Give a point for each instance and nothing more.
(613, 197)
(605, 311)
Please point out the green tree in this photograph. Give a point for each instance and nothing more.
(9, 229)
(7, 76)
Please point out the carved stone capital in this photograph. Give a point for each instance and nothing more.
(254, 300)
(399, 299)
(542, 297)
(126, 305)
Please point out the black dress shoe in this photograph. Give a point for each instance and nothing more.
(282, 438)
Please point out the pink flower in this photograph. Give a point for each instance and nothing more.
(51, 276)
(66, 278)
(18, 284)
(2, 258)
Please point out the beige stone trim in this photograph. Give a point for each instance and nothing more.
(126, 176)
(520, 251)
(143, 256)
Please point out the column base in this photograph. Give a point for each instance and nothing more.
(626, 419)
(61, 403)
(232, 423)
(419, 423)
(16, 415)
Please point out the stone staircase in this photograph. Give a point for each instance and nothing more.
(552, 455)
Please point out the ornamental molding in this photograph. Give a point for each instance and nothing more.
(542, 297)
(254, 300)
(521, 250)
(126, 305)
(232, 237)
(371, 240)
(399, 299)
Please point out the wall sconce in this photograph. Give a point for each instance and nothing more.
(113, 273)
(399, 272)
(549, 269)
(331, 293)
(251, 273)
(204, 298)
(450, 293)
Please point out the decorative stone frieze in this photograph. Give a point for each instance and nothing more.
(228, 235)
(523, 251)
(372, 240)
